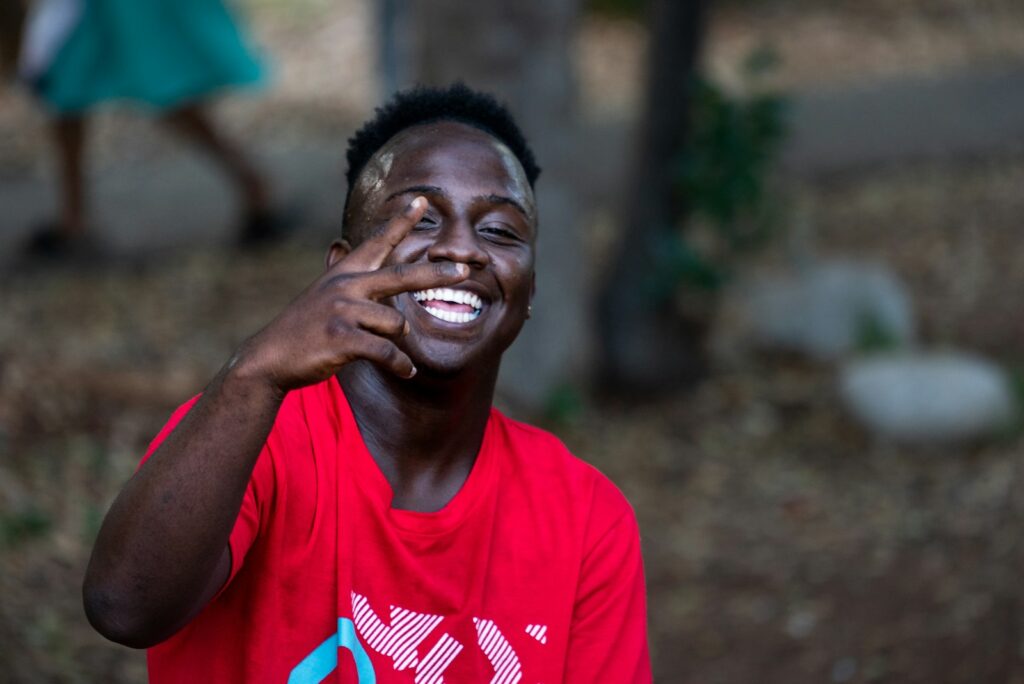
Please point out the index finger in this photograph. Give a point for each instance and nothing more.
(372, 252)
(411, 277)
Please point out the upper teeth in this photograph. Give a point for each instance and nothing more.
(445, 294)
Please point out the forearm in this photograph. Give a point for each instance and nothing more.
(156, 558)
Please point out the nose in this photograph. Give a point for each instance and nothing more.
(458, 241)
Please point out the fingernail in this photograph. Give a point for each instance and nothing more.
(411, 374)
(417, 203)
(461, 269)
(405, 329)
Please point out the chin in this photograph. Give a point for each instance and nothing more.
(443, 365)
(450, 360)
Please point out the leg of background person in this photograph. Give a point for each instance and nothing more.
(194, 123)
(69, 139)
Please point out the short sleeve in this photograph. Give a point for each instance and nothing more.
(248, 522)
(608, 634)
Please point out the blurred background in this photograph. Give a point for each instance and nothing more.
(781, 276)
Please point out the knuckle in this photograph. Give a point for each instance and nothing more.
(396, 324)
(343, 308)
(338, 282)
(337, 326)
(385, 351)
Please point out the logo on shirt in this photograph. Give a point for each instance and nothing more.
(400, 638)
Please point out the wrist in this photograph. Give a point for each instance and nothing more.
(244, 376)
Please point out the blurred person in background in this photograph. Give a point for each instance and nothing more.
(168, 55)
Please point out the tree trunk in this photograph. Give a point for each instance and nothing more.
(644, 344)
(521, 53)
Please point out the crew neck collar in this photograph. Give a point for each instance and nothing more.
(370, 480)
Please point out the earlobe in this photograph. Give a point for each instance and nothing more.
(338, 250)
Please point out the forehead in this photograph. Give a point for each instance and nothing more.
(445, 152)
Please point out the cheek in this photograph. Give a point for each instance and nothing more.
(410, 249)
(518, 277)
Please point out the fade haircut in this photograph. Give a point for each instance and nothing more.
(422, 105)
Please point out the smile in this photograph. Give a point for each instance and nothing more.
(452, 306)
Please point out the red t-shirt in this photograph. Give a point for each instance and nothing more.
(531, 573)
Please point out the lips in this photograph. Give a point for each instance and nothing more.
(450, 305)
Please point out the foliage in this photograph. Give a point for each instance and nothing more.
(1017, 386)
(564, 406)
(676, 262)
(23, 525)
(724, 174)
(873, 335)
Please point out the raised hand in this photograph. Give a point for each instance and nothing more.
(340, 317)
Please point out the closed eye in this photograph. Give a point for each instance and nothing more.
(426, 223)
(501, 233)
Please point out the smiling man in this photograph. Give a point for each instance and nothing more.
(342, 502)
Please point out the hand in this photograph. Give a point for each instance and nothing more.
(339, 318)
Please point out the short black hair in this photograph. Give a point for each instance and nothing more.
(423, 105)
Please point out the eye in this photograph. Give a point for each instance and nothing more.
(426, 223)
(499, 232)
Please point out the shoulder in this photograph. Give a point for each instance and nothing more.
(544, 464)
(306, 418)
(309, 415)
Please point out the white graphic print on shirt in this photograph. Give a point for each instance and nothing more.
(400, 639)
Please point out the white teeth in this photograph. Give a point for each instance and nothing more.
(452, 316)
(445, 294)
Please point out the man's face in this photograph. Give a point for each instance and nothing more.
(481, 213)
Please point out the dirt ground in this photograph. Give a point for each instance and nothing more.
(782, 543)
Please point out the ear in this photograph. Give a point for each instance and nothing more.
(338, 250)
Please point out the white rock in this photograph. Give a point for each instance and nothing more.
(927, 398)
(822, 311)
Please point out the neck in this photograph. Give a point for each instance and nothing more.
(423, 433)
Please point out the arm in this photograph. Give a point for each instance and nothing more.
(162, 552)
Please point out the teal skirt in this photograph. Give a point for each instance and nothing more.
(160, 53)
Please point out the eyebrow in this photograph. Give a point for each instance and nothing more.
(501, 199)
(419, 190)
(438, 192)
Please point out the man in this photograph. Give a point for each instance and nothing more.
(342, 502)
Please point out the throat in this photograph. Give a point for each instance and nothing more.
(428, 492)
(424, 435)
(422, 479)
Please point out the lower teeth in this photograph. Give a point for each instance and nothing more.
(452, 316)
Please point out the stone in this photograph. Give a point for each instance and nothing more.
(928, 398)
(824, 311)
